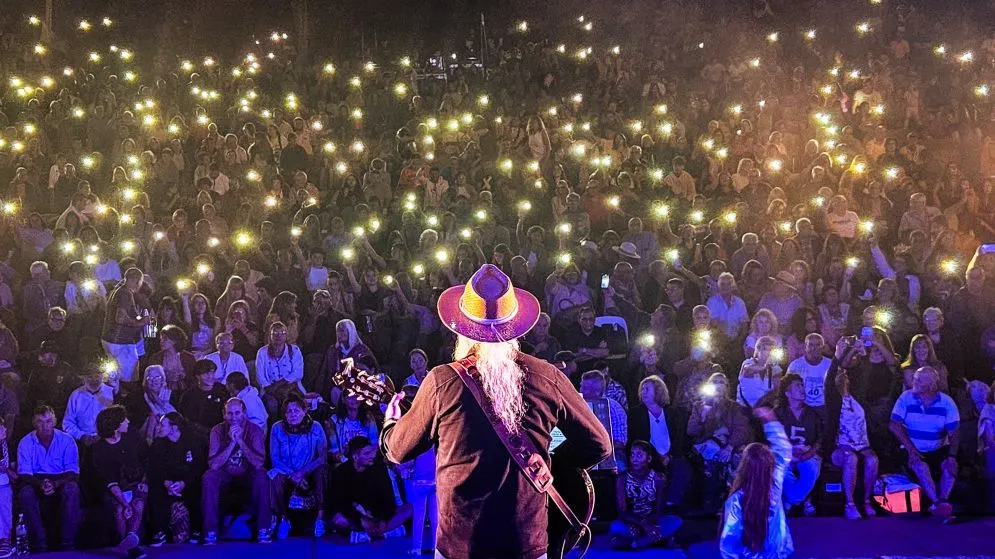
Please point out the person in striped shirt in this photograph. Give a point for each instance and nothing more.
(926, 422)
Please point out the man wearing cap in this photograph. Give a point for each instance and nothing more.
(487, 507)
(50, 380)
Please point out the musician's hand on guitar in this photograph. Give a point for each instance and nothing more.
(394, 407)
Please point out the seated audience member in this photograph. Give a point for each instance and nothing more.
(418, 361)
(298, 454)
(927, 423)
(921, 354)
(7, 475)
(85, 403)
(352, 419)
(759, 375)
(640, 495)
(692, 374)
(175, 360)
(255, 410)
(120, 463)
(813, 367)
(279, 368)
(804, 429)
(847, 440)
(236, 456)
(225, 359)
(587, 341)
(593, 387)
(153, 401)
(55, 331)
(718, 428)
(347, 345)
(203, 403)
(361, 497)
(177, 462)
(48, 469)
(50, 379)
(986, 448)
(664, 426)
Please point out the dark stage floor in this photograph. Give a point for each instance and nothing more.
(823, 538)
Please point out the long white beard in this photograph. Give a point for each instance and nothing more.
(500, 375)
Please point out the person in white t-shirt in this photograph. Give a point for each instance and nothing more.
(226, 360)
(759, 374)
(812, 367)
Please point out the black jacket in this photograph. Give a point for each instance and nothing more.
(487, 508)
(677, 425)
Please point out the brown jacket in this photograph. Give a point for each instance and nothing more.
(487, 508)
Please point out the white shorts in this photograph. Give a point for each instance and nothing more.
(126, 357)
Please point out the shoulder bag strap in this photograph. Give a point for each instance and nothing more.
(521, 448)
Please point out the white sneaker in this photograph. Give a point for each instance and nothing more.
(359, 537)
(851, 512)
(319, 528)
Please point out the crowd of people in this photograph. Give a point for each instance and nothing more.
(194, 250)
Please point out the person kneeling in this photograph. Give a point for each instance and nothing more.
(362, 499)
(642, 501)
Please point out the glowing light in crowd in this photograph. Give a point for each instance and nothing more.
(84, 25)
(863, 28)
(965, 57)
(523, 26)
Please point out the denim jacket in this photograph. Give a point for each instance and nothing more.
(778, 544)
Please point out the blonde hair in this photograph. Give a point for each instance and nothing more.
(500, 376)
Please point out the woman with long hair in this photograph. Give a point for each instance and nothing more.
(753, 522)
(203, 325)
(922, 354)
(284, 309)
(759, 374)
(234, 291)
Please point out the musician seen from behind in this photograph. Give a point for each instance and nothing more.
(488, 508)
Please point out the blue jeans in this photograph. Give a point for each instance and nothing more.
(800, 480)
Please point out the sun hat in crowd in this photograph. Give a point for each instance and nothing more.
(628, 250)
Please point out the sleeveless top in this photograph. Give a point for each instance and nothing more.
(640, 494)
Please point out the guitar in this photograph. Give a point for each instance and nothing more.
(577, 490)
(366, 385)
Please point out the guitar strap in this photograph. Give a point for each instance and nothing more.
(523, 452)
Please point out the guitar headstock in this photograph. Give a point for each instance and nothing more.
(367, 386)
